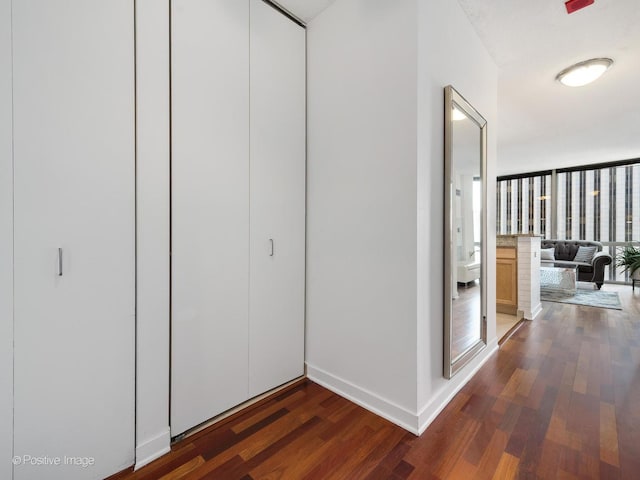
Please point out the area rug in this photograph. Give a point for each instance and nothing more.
(590, 298)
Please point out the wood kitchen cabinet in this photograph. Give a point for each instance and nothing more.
(506, 280)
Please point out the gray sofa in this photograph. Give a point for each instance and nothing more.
(565, 252)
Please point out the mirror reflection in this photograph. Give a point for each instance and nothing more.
(464, 199)
(466, 287)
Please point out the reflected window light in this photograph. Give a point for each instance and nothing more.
(457, 115)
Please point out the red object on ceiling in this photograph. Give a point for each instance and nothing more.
(575, 5)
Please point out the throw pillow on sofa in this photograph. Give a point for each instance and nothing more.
(585, 254)
(548, 254)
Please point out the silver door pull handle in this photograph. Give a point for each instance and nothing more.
(59, 262)
(271, 241)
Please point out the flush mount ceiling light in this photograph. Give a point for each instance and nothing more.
(584, 72)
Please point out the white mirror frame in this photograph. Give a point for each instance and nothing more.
(454, 99)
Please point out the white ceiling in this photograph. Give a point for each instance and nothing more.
(541, 123)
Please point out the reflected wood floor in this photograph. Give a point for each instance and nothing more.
(466, 318)
(560, 400)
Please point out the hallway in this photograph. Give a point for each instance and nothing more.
(560, 399)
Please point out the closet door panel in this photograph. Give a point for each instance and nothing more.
(74, 158)
(276, 333)
(210, 208)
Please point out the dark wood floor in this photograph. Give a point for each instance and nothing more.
(560, 400)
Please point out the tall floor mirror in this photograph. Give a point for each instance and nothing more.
(465, 332)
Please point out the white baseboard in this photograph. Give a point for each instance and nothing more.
(366, 399)
(430, 411)
(152, 449)
(402, 417)
(536, 311)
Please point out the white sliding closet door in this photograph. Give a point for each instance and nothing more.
(74, 171)
(276, 326)
(210, 208)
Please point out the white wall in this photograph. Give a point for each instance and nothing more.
(361, 203)
(376, 73)
(449, 52)
(152, 183)
(6, 243)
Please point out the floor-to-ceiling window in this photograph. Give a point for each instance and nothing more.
(524, 203)
(596, 202)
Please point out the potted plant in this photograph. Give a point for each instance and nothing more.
(629, 260)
